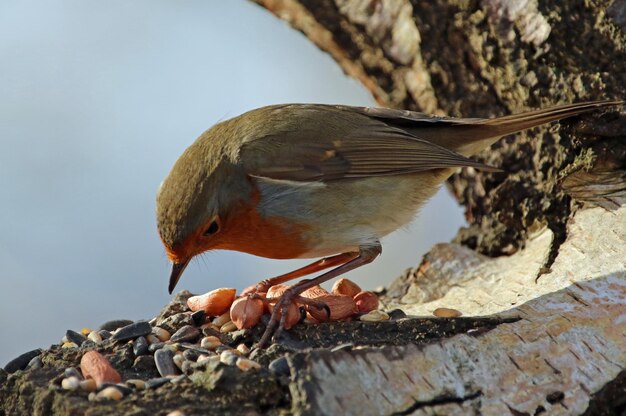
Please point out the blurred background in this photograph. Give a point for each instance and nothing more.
(97, 101)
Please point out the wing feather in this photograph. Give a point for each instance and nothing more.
(354, 145)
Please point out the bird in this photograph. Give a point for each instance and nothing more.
(296, 181)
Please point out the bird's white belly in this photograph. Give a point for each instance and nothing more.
(341, 216)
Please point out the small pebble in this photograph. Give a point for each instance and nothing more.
(92, 396)
(85, 331)
(20, 362)
(177, 379)
(88, 385)
(75, 337)
(222, 319)
(205, 358)
(187, 333)
(187, 367)
(162, 334)
(136, 383)
(228, 327)
(173, 322)
(245, 364)
(72, 372)
(152, 339)
(446, 313)
(209, 329)
(153, 383)
(280, 367)
(164, 359)
(396, 314)
(95, 337)
(198, 317)
(243, 349)
(374, 316)
(156, 346)
(105, 334)
(144, 362)
(115, 324)
(239, 335)
(70, 383)
(121, 387)
(69, 345)
(255, 353)
(35, 363)
(191, 355)
(112, 393)
(223, 348)
(175, 413)
(179, 359)
(88, 345)
(132, 331)
(140, 346)
(228, 357)
(210, 343)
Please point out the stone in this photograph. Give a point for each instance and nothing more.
(280, 367)
(70, 383)
(115, 324)
(20, 362)
(72, 372)
(187, 333)
(132, 331)
(153, 383)
(75, 337)
(140, 346)
(144, 362)
(35, 363)
(177, 305)
(175, 322)
(198, 317)
(164, 359)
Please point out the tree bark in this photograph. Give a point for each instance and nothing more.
(539, 275)
(553, 225)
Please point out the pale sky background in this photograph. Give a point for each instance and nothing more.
(97, 101)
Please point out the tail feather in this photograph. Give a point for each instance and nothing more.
(514, 123)
(479, 134)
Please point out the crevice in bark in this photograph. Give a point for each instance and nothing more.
(437, 402)
(610, 400)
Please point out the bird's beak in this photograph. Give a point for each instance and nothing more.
(177, 271)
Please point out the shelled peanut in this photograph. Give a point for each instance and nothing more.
(345, 300)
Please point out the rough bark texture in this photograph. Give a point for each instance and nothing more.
(483, 58)
(543, 260)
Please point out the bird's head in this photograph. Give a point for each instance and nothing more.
(197, 201)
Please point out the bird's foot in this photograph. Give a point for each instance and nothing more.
(287, 312)
(317, 304)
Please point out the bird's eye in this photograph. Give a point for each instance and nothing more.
(213, 228)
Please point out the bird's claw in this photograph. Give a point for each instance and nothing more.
(278, 318)
(317, 304)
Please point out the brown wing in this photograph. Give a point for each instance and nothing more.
(352, 145)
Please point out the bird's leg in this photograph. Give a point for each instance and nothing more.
(321, 264)
(366, 255)
(314, 303)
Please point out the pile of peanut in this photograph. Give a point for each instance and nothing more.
(345, 300)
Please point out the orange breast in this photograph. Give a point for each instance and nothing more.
(273, 237)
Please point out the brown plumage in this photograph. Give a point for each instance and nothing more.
(311, 180)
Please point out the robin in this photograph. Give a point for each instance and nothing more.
(318, 181)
